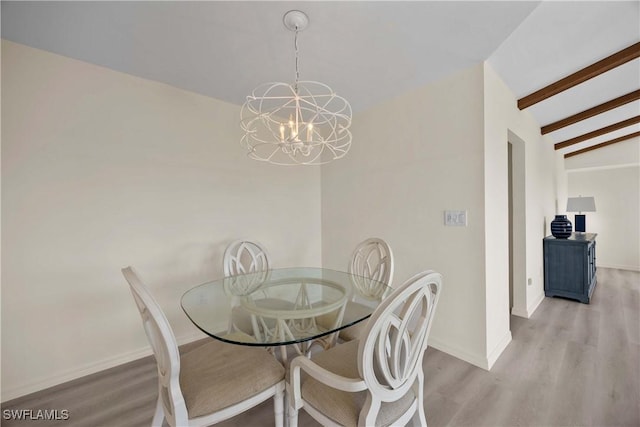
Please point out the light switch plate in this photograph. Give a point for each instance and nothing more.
(455, 218)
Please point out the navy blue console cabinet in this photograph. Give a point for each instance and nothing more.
(570, 266)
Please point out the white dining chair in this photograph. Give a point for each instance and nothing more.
(244, 256)
(378, 379)
(210, 383)
(371, 264)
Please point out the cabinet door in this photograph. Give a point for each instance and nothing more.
(567, 268)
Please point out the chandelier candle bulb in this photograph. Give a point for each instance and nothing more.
(309, 132)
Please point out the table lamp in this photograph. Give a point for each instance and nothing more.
(580, 204)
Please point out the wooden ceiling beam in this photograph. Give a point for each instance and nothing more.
(594, 111)
(598, 132)
(630, 53)
(604, 144)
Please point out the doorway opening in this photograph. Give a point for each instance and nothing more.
(517, 226)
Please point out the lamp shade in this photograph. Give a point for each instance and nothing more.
(581, 204)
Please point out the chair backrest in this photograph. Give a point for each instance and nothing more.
(395, 338)
(165, 348)
(371, 263)
(243, 256)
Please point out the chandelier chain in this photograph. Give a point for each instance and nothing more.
(295, 46)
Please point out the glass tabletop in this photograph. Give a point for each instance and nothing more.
(282, 306)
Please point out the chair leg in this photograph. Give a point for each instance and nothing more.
(419, 392)
(158, 416)
(278, 407)
(286, 409)
(293, 416)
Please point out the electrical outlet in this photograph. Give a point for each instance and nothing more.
(529, 281)
(455, 218)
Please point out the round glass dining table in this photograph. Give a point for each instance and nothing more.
(285, 306)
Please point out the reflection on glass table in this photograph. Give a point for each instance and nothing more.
(279, 307)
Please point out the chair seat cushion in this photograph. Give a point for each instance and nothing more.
(341, 406)
(353, 332)
(353, 312)
(217, 375)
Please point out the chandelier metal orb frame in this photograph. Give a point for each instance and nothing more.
(304, 123)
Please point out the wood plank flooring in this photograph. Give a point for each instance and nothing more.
(571, 364)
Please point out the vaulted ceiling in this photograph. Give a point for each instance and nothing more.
(366, 51)
(575, 67)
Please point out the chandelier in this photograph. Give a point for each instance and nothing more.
(304, 123)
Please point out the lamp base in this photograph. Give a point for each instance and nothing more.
(579, 223)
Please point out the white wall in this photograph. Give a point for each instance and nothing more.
(101, 170)
(617, 218)
(619, 154)
(503, 118)
(413, 158)
(610, 174)
(445, 147)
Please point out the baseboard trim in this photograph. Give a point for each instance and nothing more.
(517, 311)
(528, 311)
(84, 370)
(477, 360)
(498, 349)
(619, 267)
(72, 374)
(533, 307)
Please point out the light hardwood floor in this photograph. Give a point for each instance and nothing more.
(571, 364)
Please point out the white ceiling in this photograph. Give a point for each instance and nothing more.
(560, 38)
(367, 51)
